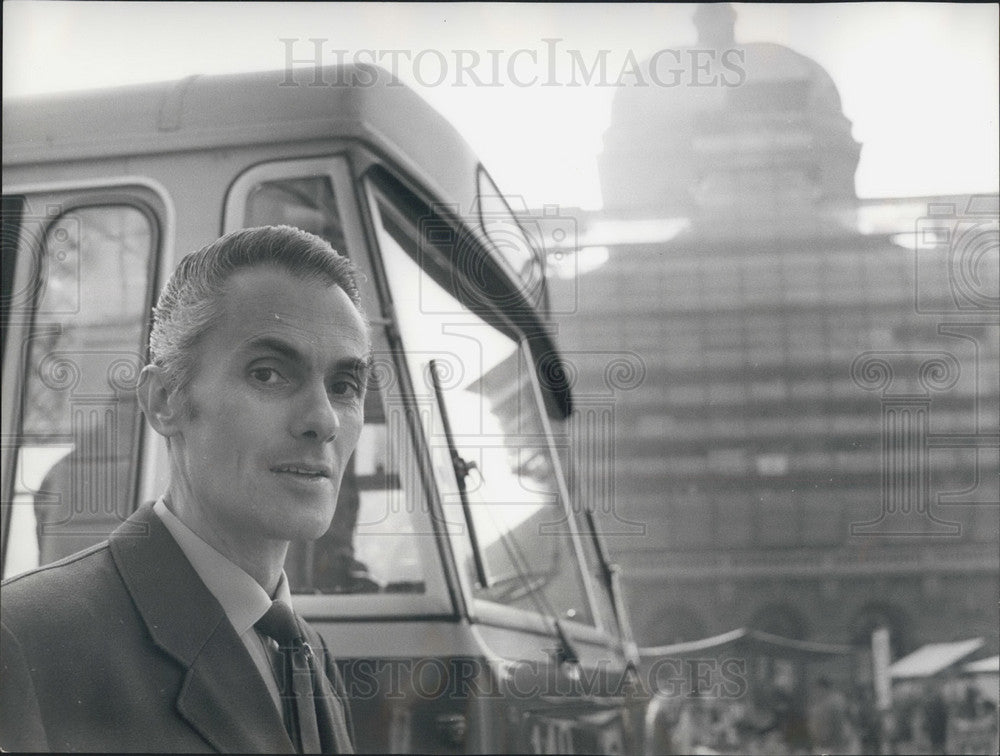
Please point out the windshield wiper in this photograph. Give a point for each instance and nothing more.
(462, 469)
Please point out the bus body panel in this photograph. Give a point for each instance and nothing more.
(430, 666)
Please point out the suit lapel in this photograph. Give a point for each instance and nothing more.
(228, 703)
(223, 696)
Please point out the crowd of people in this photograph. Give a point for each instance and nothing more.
(941, 717)
(828, 721)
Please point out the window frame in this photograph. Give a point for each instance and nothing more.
(139, 193)
(598, 628)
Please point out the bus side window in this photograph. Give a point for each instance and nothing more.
(78, 437)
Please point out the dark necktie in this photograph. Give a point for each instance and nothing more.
(299, 684)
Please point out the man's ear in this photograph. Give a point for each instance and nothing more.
(162, 406)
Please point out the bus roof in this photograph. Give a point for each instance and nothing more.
(360, 102)
(202, 112)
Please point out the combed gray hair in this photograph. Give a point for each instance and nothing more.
(190, 302)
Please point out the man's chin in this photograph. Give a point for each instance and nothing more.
(302, 528)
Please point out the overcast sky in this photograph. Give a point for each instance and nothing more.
(918, 81)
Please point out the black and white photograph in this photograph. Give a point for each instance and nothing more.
(500, 377)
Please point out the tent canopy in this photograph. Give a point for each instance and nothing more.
(933, 658)
(983, 666)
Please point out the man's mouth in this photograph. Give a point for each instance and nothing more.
(304, 470)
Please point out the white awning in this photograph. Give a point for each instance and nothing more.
(989, 664)
(757, 639)
(933, 658)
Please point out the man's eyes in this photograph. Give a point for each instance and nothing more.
(267, 375)
(347, 388)
(344, 388)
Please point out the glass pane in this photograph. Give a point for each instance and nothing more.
(374, 542)
(306, 203)
(519, 520)
(372, 545)
(80, 422)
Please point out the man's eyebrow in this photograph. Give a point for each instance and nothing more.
(271, 344)
(360, 365)
(356, 365)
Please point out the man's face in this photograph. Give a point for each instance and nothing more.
(274, 410)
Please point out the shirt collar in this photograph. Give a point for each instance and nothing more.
(242, 598)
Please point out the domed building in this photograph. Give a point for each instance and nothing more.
(757, 424)
(722, 129)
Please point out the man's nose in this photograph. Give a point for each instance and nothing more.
(316, 417)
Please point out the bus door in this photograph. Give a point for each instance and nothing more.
(79, 280)
(375, 585)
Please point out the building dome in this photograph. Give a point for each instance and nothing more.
(722, 126)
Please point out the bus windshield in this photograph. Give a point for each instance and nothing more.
(483, 368)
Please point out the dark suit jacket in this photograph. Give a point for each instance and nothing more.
(122, 648)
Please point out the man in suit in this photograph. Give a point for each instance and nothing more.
(157, 639)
